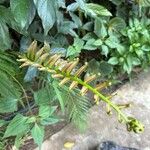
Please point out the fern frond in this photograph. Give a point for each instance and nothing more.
(7, 64)
(45, 62)
(76, 106)
(7, 70)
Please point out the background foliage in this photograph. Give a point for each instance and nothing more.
(111, 35)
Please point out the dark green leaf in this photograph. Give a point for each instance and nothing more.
(76, 19)
(88, 26)
(4, 37)
(46, 10)
(67, 28)
(4, 14)
(30, 74)
(105, 68)
(8, 88)
(23, 11)
(117, 2)
(96, 9)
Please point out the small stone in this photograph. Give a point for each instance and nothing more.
(109, 145)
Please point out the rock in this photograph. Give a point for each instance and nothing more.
(102, 127)
(109, 145)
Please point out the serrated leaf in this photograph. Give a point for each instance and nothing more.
(93, 67)
(144, 3)
(37, 133)
(105, 68)
(89, 45)
(17, 126)
(76, 48)
(71, 51)
(8, 104)
(67, 27)
(49, 121)
(78, 44)
(100, 29)
(43, 96)
(88, 26)
(76, 19)
(116, 24)
(8, 90)
(96, 9)
(23, 11)
(4, 13)
(46, 11)
(89, 36)
(112, 42)
(46, 111)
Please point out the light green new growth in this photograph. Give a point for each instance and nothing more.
(64, 70)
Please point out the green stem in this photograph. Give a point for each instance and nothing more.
(105, 99)
(81, 82)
